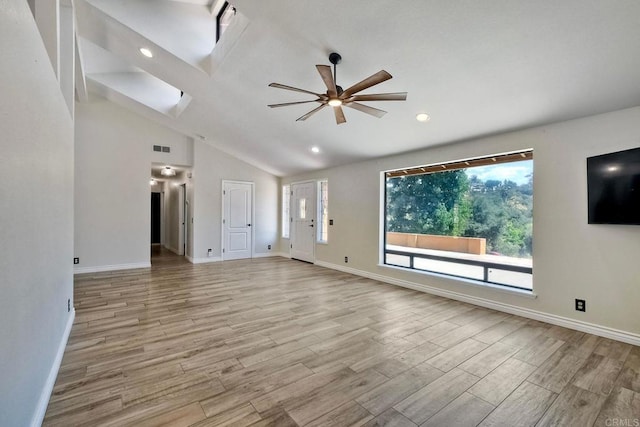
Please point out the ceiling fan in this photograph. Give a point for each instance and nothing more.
(336, 97)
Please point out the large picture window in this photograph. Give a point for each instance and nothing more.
(470, 219)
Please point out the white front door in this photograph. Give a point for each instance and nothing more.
(303, 215)
(237, 222)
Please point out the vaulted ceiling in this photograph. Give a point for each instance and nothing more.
(477, 68)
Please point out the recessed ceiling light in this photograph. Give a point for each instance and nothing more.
(315, 149)
(146, 52)
(167, 171)
(423, 117)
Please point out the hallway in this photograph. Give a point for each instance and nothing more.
(163, 257)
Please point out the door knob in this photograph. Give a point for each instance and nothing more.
(248, 225)
(311, 225)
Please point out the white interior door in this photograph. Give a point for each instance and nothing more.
(303, 218)
(237, 220)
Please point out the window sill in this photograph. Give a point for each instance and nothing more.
(322, 243)
(469, 282)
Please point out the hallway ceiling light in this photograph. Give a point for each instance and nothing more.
(167, 171)
(152, 182)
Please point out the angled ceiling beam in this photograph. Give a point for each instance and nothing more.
(81, 82)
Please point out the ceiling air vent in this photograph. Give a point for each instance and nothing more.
(161, 149)
(166, 149)
(157, 148)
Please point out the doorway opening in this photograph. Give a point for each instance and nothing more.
(169, 213)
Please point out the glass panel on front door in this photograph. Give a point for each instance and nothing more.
(302, 209)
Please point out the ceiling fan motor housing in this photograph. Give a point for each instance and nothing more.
(335, 58)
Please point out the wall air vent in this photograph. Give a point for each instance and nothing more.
(157, 148)
(161, 149)
(166, 149)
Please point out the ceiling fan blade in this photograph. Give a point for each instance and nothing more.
(366, 109)
(398, 96)
(373, 80)
(286, 104)
(339, 115)
(327, 78)
(310, 113)
(295, 89)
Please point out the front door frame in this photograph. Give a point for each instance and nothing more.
(314, 184)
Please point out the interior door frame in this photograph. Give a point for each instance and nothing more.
(253, 214)
(182, 196)
(315, 213)
(163, 240)
(185, 219)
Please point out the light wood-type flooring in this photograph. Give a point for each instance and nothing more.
(278, 342)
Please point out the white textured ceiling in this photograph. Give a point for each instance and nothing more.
(477, 68)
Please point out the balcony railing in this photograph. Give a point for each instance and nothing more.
(503, 271)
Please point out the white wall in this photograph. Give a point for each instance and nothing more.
(211, 166)
(598, 263)
(36, 219)
(113, 166)
(113, 163)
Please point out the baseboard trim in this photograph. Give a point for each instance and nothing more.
(283, 254)
(203, 260)
(100, 268)
(602, 331)
(43, 402)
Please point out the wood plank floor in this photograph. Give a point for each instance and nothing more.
(276, 342)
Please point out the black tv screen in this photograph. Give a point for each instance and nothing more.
(613, 182)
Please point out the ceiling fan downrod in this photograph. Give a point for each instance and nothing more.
(335, 59)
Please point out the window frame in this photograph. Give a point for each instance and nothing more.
(285, 211)
(224, 9)
(322, 214)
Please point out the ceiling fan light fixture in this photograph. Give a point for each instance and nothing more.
(167, 171)
(423, 117)
(146, 52)
(335, 102)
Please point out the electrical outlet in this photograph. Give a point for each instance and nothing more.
(346, 259)
(76, 260)
(269, 247)
(330, 222)
(68, 305)
(209, 252)
(581, 305)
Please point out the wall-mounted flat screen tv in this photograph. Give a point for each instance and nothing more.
(613, 182)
